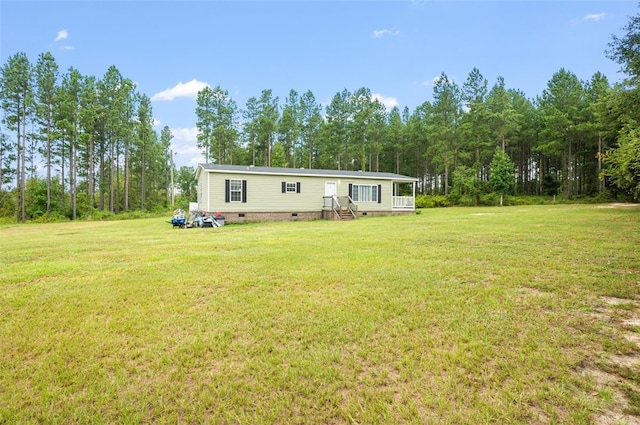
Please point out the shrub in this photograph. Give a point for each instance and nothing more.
(431, 201)
(8, 204)
(490, 199)
(53, 218)
(467, 201)
(8, 220)
(100, 215)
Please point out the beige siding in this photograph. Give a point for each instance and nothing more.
(203, 193)
(264, 193)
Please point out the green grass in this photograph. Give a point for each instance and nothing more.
(452, 316)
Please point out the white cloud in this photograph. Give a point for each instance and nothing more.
(62, 35)
(184, 146)
(195, 161)
(157, 122)
(189, 89)
(67, 48)
(185, 141)
(594, 17)
(433, 82)
(388, 102)
(384, 32)
(185, 134)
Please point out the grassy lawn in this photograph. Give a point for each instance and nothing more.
(452, 316)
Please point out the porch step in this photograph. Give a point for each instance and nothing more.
(345, 215)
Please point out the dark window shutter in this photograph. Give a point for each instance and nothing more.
(350, 190)
(298, 187)
(244, 191)
(379, 193)
(284, 187)
(227, 190)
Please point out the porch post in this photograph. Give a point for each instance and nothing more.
(414, 195)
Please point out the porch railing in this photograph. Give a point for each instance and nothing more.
(340, 203)
(351, 206)
(404, 203)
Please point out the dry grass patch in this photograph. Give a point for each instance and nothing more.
(618, 371)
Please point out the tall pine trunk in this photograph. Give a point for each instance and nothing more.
(111, 185)
(143, 178)
(569, 173)
(62, 168)
(101, 166)
(91, 189)
(126, 176)
(72, 179)
(1, 164)
(117, 197)
(600, 181)
(19, 154)
(48, 162)
(23, 180)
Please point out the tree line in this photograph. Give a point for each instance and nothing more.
(73, 145)
(553, 140)
(563, 142)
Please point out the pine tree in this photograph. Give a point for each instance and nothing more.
(16, 94)
(501, 175)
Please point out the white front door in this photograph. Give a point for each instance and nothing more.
(330, 189)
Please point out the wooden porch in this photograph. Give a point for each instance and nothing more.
(339, 208)
(344, 208)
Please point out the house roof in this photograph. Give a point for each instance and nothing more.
(250, 169)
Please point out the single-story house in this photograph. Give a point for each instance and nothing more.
(249, 193)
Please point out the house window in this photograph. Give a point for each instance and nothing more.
(235, 190)
(365, 193)
(290, 187)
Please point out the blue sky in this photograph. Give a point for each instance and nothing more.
(172, 49)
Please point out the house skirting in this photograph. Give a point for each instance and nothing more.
(253, 216)
(383, 213)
